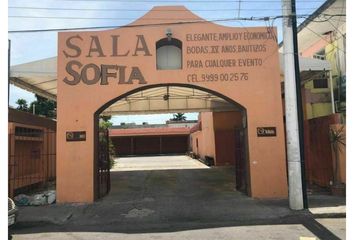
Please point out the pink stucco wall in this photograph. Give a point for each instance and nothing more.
(216, 138)
(205, 138)
(251, 79)
(310, 51)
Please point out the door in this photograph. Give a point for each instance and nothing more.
(240, 161)
(103, 164)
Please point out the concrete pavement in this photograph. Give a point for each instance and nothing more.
(156, 163)
(325, 205)
(281, 232)
(185, 201)
(336, 225)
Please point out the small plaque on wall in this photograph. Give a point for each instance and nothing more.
(76, 136)
(266, 132)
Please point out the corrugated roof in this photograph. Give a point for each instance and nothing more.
(149, 131)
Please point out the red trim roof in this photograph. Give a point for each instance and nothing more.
(196, 127)
(149, 131)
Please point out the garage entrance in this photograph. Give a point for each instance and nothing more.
(160, 50)
(150, 145)
(213, 139)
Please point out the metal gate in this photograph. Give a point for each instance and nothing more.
(240, 164)
(32, 159)
(103, 164)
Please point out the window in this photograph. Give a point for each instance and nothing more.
(169, 54)
(320, 83)
(28, 132)
(320, 54)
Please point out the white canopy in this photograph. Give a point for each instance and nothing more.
(40, 77)
(170, 99)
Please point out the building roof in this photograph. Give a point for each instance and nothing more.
(16, 116)
(162, 131)
(319, 23)
(39, 77)
(308, 64)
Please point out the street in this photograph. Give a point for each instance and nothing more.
(182, 199)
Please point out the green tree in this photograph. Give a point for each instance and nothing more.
(337, 138)
(105, 124)
(43, 106)
(179, 117)
(22, 105)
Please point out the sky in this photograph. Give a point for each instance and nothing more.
(27, 47)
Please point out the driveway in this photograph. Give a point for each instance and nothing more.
(156, 163)
(178, 190)
(179, 195)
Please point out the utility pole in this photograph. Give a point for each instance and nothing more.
(293, 110)
(8, 72)
(300, 112)
(239, 8)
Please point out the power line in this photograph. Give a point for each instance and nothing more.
(130, 26)
(166, 23)
(137, 25)
(126, 18)
(190, 1)
(325, 19)
(188, 20)
(337, 29)
(319, 35)
(239, 8)
(97, 18)
(152, 10)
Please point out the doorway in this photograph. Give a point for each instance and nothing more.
(241, 161)
(145, 141)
